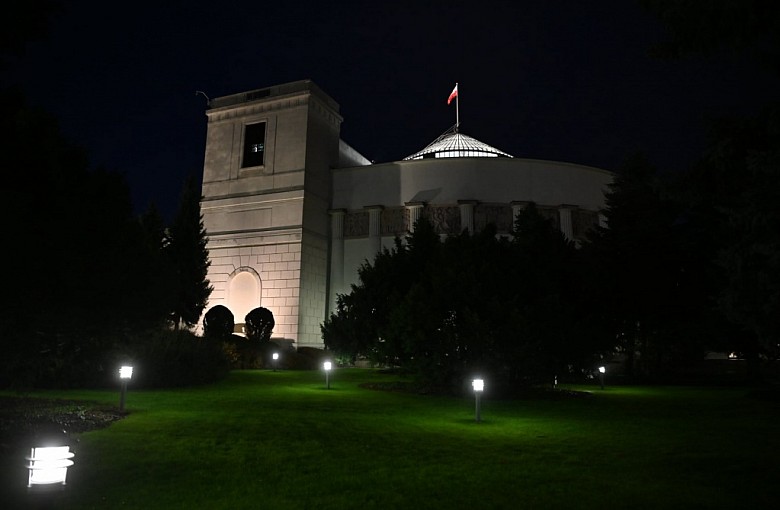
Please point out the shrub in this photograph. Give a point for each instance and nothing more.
(243, 353)
(306, 358)
(218, 323)
(173, 358)
(259, 325)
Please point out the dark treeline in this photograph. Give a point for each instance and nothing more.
(89, 284)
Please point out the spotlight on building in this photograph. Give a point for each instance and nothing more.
(125, 374)
(602, 373)
(327, 366)
(479, 386)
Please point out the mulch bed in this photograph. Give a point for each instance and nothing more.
(28, 418)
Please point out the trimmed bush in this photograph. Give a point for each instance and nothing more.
(218, 323)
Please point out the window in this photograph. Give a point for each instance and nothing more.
(254, 145)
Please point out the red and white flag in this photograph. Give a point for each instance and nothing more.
(453, 94)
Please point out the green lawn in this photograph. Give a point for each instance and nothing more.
(264, 439)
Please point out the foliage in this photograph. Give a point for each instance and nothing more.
(739, 183)
(156, 267)
(305, 358)
(259, 325)
(189, 258)
(88, 276)
(85, 275)
(472, 303)
(170, 358)
(732, 192)
(651, 268)
(218, 323)
(355, 329)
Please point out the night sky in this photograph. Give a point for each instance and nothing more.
(567, 80)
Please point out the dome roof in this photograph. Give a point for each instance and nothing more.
(453, 144)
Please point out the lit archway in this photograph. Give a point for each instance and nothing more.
(244, 292)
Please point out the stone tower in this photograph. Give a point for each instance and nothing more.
(266, 192)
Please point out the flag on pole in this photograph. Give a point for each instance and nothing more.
(453, 94)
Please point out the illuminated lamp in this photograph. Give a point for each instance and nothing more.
(327, 366)
(48, 465)
(478, 385)
(125, 374)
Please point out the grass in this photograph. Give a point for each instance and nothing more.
(264, 439)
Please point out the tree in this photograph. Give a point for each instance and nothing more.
(189, 258)
(152, 273)
(744, 161)
(358, 326)
(80, 283)
(556, 328)
(445, 311)
(736, 181)
(653, 263)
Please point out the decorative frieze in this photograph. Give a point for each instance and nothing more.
(378, 221)
(394, 221)
(356, 224)
(445, 219)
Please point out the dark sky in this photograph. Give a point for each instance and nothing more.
(566, 80)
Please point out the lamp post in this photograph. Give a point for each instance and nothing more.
(327, 366)
(602, 371)
(276, 359)
(125, 374)
(479, 386)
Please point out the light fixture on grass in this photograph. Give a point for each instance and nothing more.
(479, 386)
(125, 374)
(602, 372)
(275, 358)
(327, 366)
(48, 465)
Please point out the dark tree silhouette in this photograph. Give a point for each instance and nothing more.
(259, 325)
(80, 285)
(218, 323)
(443, 310)
(189, 258)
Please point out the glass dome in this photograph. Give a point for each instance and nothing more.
(453, 144)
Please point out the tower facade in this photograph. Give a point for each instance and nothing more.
(266, 193)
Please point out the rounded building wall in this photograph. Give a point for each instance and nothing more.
(494, 180)
(374, 204)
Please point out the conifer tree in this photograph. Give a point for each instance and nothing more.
(189, 258)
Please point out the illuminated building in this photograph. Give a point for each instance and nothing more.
(292, 211)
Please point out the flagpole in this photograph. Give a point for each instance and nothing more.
(457, 109)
